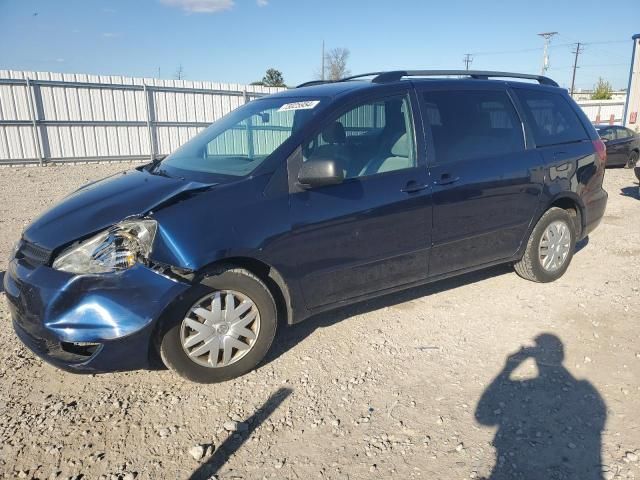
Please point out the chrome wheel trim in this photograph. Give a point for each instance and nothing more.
(220, 329)
(554, 246)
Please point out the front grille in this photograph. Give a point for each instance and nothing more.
(33, 254)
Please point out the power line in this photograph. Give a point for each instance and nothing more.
(599, 42)
(554, 46)
(606, 42)
(503, 52)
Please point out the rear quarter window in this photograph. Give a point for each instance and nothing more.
(552, 120)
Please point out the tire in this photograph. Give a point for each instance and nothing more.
(530, 266)
(633, 159)
(242, 285)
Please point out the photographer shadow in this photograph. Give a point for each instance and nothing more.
(550, 426)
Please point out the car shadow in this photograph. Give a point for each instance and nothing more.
(633, 192)
(287, 338)
(2, 281)
(234, 441)
(549, 426)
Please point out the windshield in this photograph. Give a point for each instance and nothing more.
(236, 144)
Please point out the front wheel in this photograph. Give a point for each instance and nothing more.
(550, 247)
(228, 325)
(633, 159)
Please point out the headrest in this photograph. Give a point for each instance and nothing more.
(334, 133)
(401, 147)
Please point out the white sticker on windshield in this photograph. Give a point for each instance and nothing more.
(308, 105)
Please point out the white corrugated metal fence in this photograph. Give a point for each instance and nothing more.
(69, 117)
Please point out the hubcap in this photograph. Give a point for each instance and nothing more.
(220, 329)
(554, 246)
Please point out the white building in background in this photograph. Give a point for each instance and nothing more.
(632, 104)
(585, 94)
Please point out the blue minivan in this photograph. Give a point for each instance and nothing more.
(300, 202)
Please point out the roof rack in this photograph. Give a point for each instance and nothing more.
(385, 77)
(354, 77)
(395, 75)
(313, 82)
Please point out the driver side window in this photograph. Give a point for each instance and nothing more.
(372, 138)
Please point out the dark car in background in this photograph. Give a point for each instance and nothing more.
(623, 145)
(301, 202)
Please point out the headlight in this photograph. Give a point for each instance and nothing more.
(117, 248)
(14, 249)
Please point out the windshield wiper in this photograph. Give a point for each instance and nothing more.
(161, 172)
(154, 169)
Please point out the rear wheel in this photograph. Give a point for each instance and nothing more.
(228, 324)
(633, 159)
(550, 247)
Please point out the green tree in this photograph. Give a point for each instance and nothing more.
(602, 90)
(273, 78)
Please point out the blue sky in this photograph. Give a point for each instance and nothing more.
(237, 40)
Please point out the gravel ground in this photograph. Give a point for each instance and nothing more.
(421, 384)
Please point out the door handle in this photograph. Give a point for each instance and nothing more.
(413, 187)
(446, 179)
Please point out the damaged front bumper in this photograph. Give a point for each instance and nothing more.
(88, 323)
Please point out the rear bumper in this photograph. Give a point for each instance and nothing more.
(88, 323)
(594, 211)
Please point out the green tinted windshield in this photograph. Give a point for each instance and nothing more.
(239, 142)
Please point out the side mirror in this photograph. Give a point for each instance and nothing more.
(319, 173)
(605, 140)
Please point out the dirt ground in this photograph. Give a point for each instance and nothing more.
(421, 384)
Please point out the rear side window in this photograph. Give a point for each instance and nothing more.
(624, 133)
(469, 125)
(551, 118)
(607, 133)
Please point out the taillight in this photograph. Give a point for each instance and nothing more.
(601, 150)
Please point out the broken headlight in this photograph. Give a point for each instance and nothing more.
(118, 248)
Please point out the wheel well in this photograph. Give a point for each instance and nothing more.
(574, 210)
(269, 275)
(271, 278)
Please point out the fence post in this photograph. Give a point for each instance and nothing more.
(148, 95)
(34, 121)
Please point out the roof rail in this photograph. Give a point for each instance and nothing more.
(313, 82)
(395, 75)
(384, 77)
(354, 77)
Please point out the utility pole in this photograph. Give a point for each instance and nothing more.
(545, 59)
(468, 60)
(322, 72)
(577, 52)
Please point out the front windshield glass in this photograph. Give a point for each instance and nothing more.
(239, 142)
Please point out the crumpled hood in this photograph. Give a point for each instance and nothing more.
(99, 205)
